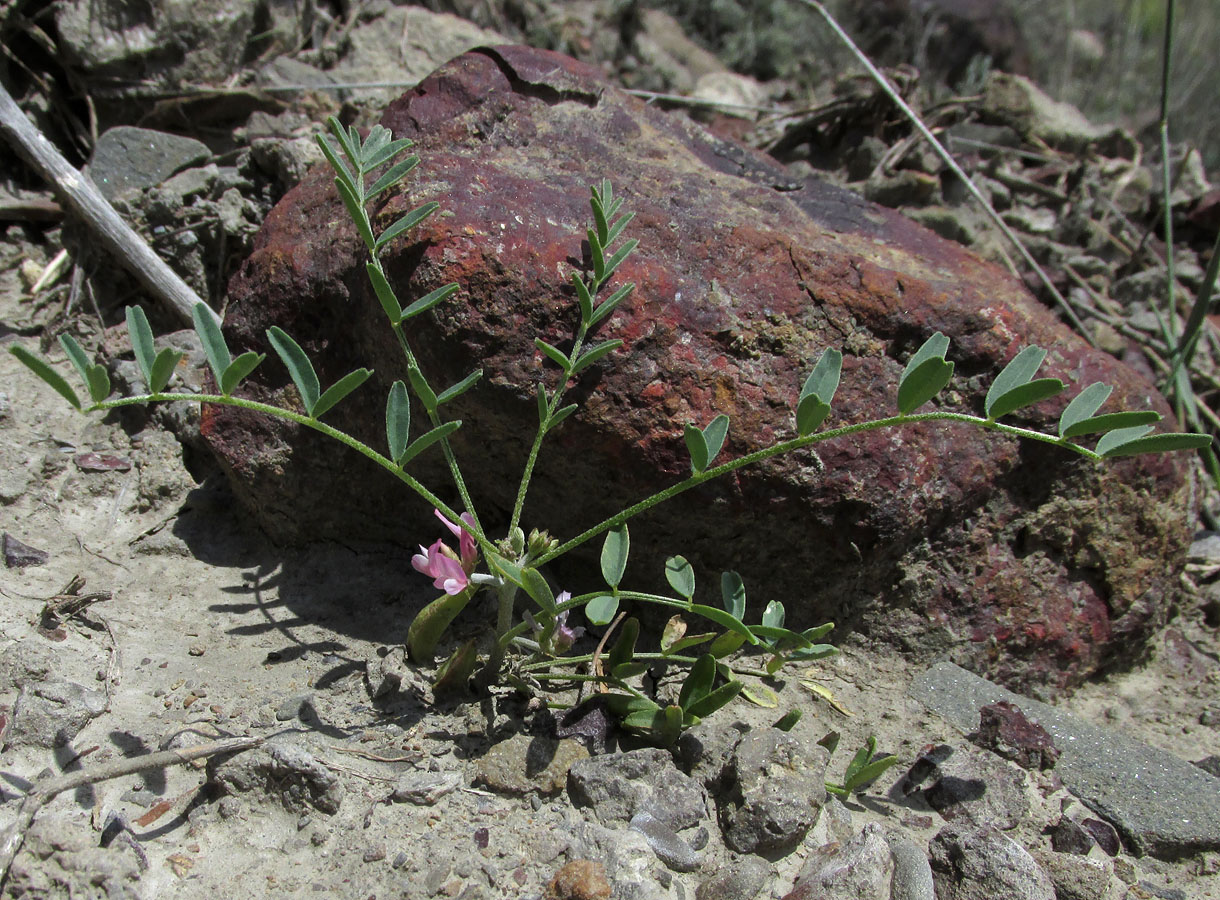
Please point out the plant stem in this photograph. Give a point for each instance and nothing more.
(552, 407)
(796, 444)
(340, 436)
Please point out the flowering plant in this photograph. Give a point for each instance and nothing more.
(541, 639)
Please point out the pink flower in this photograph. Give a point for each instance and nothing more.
(470, 551)
(447, 571)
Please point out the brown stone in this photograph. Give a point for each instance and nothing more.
(581, 879)
(1027, 563)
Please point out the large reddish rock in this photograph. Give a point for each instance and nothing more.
(1027, 563)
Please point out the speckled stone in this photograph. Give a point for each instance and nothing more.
(1160, 804)
(524, 764)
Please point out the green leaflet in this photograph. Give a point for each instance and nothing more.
(46, 373)
(624, 648)
(338, 391)
(925, 375)
(298, 365)
(1020, 370)
(1109, 422)
(681, 576)
(213, 341)
(429, 300)
(157, 368)
(699, 681)
(239, 369)
(97, 382)
(1024, 395)
(726, 620)
(422, 389)
(385, 293)
(601, 610)
(1156, 443)
(422, 443)
(554, 353)
(1083, 406)
(460, 388)
(615, 549)
(397, 420)
(454, 673)
(708, 704)
(733, 594)
(410, 220)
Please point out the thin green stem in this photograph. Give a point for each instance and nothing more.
(340, 436)
(527, 473)
(797, 444)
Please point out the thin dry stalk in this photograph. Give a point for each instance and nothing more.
(43, 793)
(949, 161)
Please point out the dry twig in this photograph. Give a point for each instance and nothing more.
(80, 194)
(13, 836)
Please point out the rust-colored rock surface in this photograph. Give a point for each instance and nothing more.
(1026, 563)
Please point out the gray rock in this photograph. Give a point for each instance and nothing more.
(384, 674)
(62, 862)
(1070, 837)
(287, 160)
(51, 713)
(861, 869)
(743, 879)
(982, 864)
(778, 786)
(301, 706)
(912, 878)
(403, 46)
(706, 750)
(524, 764)
(1018, 102)
(1160, 804)
(127, 160)
(282, 769)
(666, 844)
(619, 785)
(1076, 877)
(425, 788)
(962, 783)
(180, 41)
